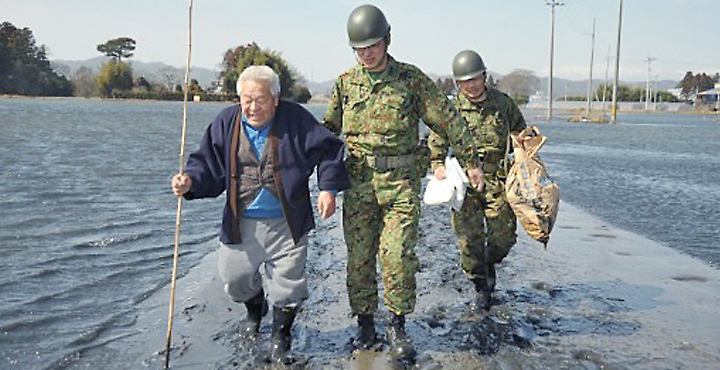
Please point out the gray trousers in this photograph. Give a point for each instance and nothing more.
(267, 251)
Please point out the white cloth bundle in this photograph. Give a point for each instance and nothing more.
(451, 189)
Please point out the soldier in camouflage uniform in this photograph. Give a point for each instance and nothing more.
(485, 224)
(377, 106)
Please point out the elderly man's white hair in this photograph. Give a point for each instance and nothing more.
(260, 74)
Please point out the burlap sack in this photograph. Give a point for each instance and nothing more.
(533, 196)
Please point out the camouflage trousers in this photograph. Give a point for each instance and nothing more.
(485, 226)
(381, 213)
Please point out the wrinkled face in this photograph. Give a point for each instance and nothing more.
(474, 87)
(257, 102)
(373, 57)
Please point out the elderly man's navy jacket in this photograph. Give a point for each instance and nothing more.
(299, 143)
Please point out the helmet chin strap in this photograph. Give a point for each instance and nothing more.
(385, 54)
(483, 96)
(382, 61)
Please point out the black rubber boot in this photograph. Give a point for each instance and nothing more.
(491, 277)
(283, 318)
(484, 288)
(482, 302)
(366, 333)
(400, 346)
(257, 307)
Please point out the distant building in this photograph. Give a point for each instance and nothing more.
(710, 97)
(677, 92)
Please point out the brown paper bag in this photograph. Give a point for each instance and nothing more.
(532, 195)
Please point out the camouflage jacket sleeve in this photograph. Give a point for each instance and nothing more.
(448, 127)
(517, 121)
(438, 149)
(333, 115)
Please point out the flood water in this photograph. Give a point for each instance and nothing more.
(87, 219)
(654, 174)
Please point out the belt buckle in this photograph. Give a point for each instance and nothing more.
(381, 163)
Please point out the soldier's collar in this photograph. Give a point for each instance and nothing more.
(388, 74)
(466, 102)
(482, 98)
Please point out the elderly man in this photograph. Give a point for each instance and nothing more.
(261, 153)
(377, 105)
(485, 224)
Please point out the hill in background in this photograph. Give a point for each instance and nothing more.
(561, 87)
(157, 72)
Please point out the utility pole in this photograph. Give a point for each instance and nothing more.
(655, 92)
(647, 90)
(617, 65)
(592, 56)
(605, 86)
(553, 4)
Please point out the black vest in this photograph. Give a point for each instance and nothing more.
(254, 174)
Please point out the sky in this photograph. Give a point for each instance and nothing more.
(675, 35)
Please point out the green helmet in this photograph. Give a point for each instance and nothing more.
(467, 65)
(366, 26)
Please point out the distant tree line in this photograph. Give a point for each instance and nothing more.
(24, 67)
(519, 84)
(237, 59)
(692, 84)
(25, 70)
(627, 93)
(689, 87)
(446, 85)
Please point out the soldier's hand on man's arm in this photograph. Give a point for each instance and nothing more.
(326, 204)
(477, 178)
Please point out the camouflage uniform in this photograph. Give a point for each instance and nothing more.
(379, 117)
(491, 121)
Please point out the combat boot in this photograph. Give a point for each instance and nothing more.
(283, 318)
(483, 300)
(484, 288)
(491, 277)
(257, 307)
(366, 333)
(400, 346)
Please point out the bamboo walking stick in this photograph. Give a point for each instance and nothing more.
(180, 198)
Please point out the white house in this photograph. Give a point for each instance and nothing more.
(710, 96)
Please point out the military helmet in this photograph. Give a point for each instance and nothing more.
(366, 26)
(467, 65)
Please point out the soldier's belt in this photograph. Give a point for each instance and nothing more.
(391, 161)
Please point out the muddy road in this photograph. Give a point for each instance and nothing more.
(597, 298)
